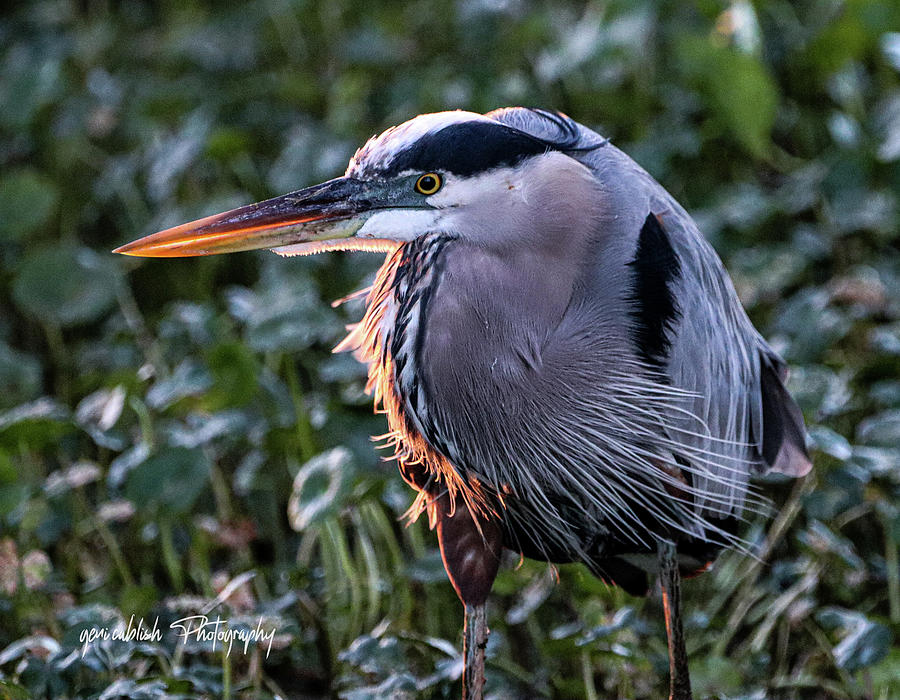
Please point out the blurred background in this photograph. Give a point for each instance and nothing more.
(176, 437)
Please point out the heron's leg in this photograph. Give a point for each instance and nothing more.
(670, 582)
(474, 643)
(471, 550)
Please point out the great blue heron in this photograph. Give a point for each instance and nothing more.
(565, 366)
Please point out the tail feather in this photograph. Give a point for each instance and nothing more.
(783, 440)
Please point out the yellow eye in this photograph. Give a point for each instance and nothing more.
(429, 183)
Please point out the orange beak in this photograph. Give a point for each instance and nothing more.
(336, 209)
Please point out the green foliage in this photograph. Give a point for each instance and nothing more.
(169, 482)
(65, 285)
(27, 201)
(176, 437)
(742, 95)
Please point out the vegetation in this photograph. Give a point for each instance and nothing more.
(176, 438)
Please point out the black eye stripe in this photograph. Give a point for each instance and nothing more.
(466, 149)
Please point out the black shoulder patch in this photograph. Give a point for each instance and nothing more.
(467, 148)
(655, 266)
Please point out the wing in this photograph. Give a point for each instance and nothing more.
(741, 420)
(688, 322)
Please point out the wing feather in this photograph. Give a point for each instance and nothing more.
(740, 420)
(742, 413)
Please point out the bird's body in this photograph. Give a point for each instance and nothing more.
(564, 364)
(599, 390)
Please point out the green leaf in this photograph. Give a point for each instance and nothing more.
(318, 487)
(143, 690)
(234, 371)
(170, 480)
(863, 642)
(20, 376)
(830, 442)
(286, 313)
(886, 675)
(743, 97)
(22, 646)
(30, 79)
(27, 201)
(715, 676)
(880, 430)
(225, 143)
(12, 496)
(189, 379)
(844, 39)
(34, 424)
(138, 600)
(66, 285)
(12, 691)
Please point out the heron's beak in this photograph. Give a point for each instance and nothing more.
(324, 213)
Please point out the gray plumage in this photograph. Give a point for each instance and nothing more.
(518, 360)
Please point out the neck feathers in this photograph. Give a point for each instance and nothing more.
(388, 339)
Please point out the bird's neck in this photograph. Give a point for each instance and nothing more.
(493, 311)
(388, 340)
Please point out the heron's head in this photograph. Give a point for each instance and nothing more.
(459, 173)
